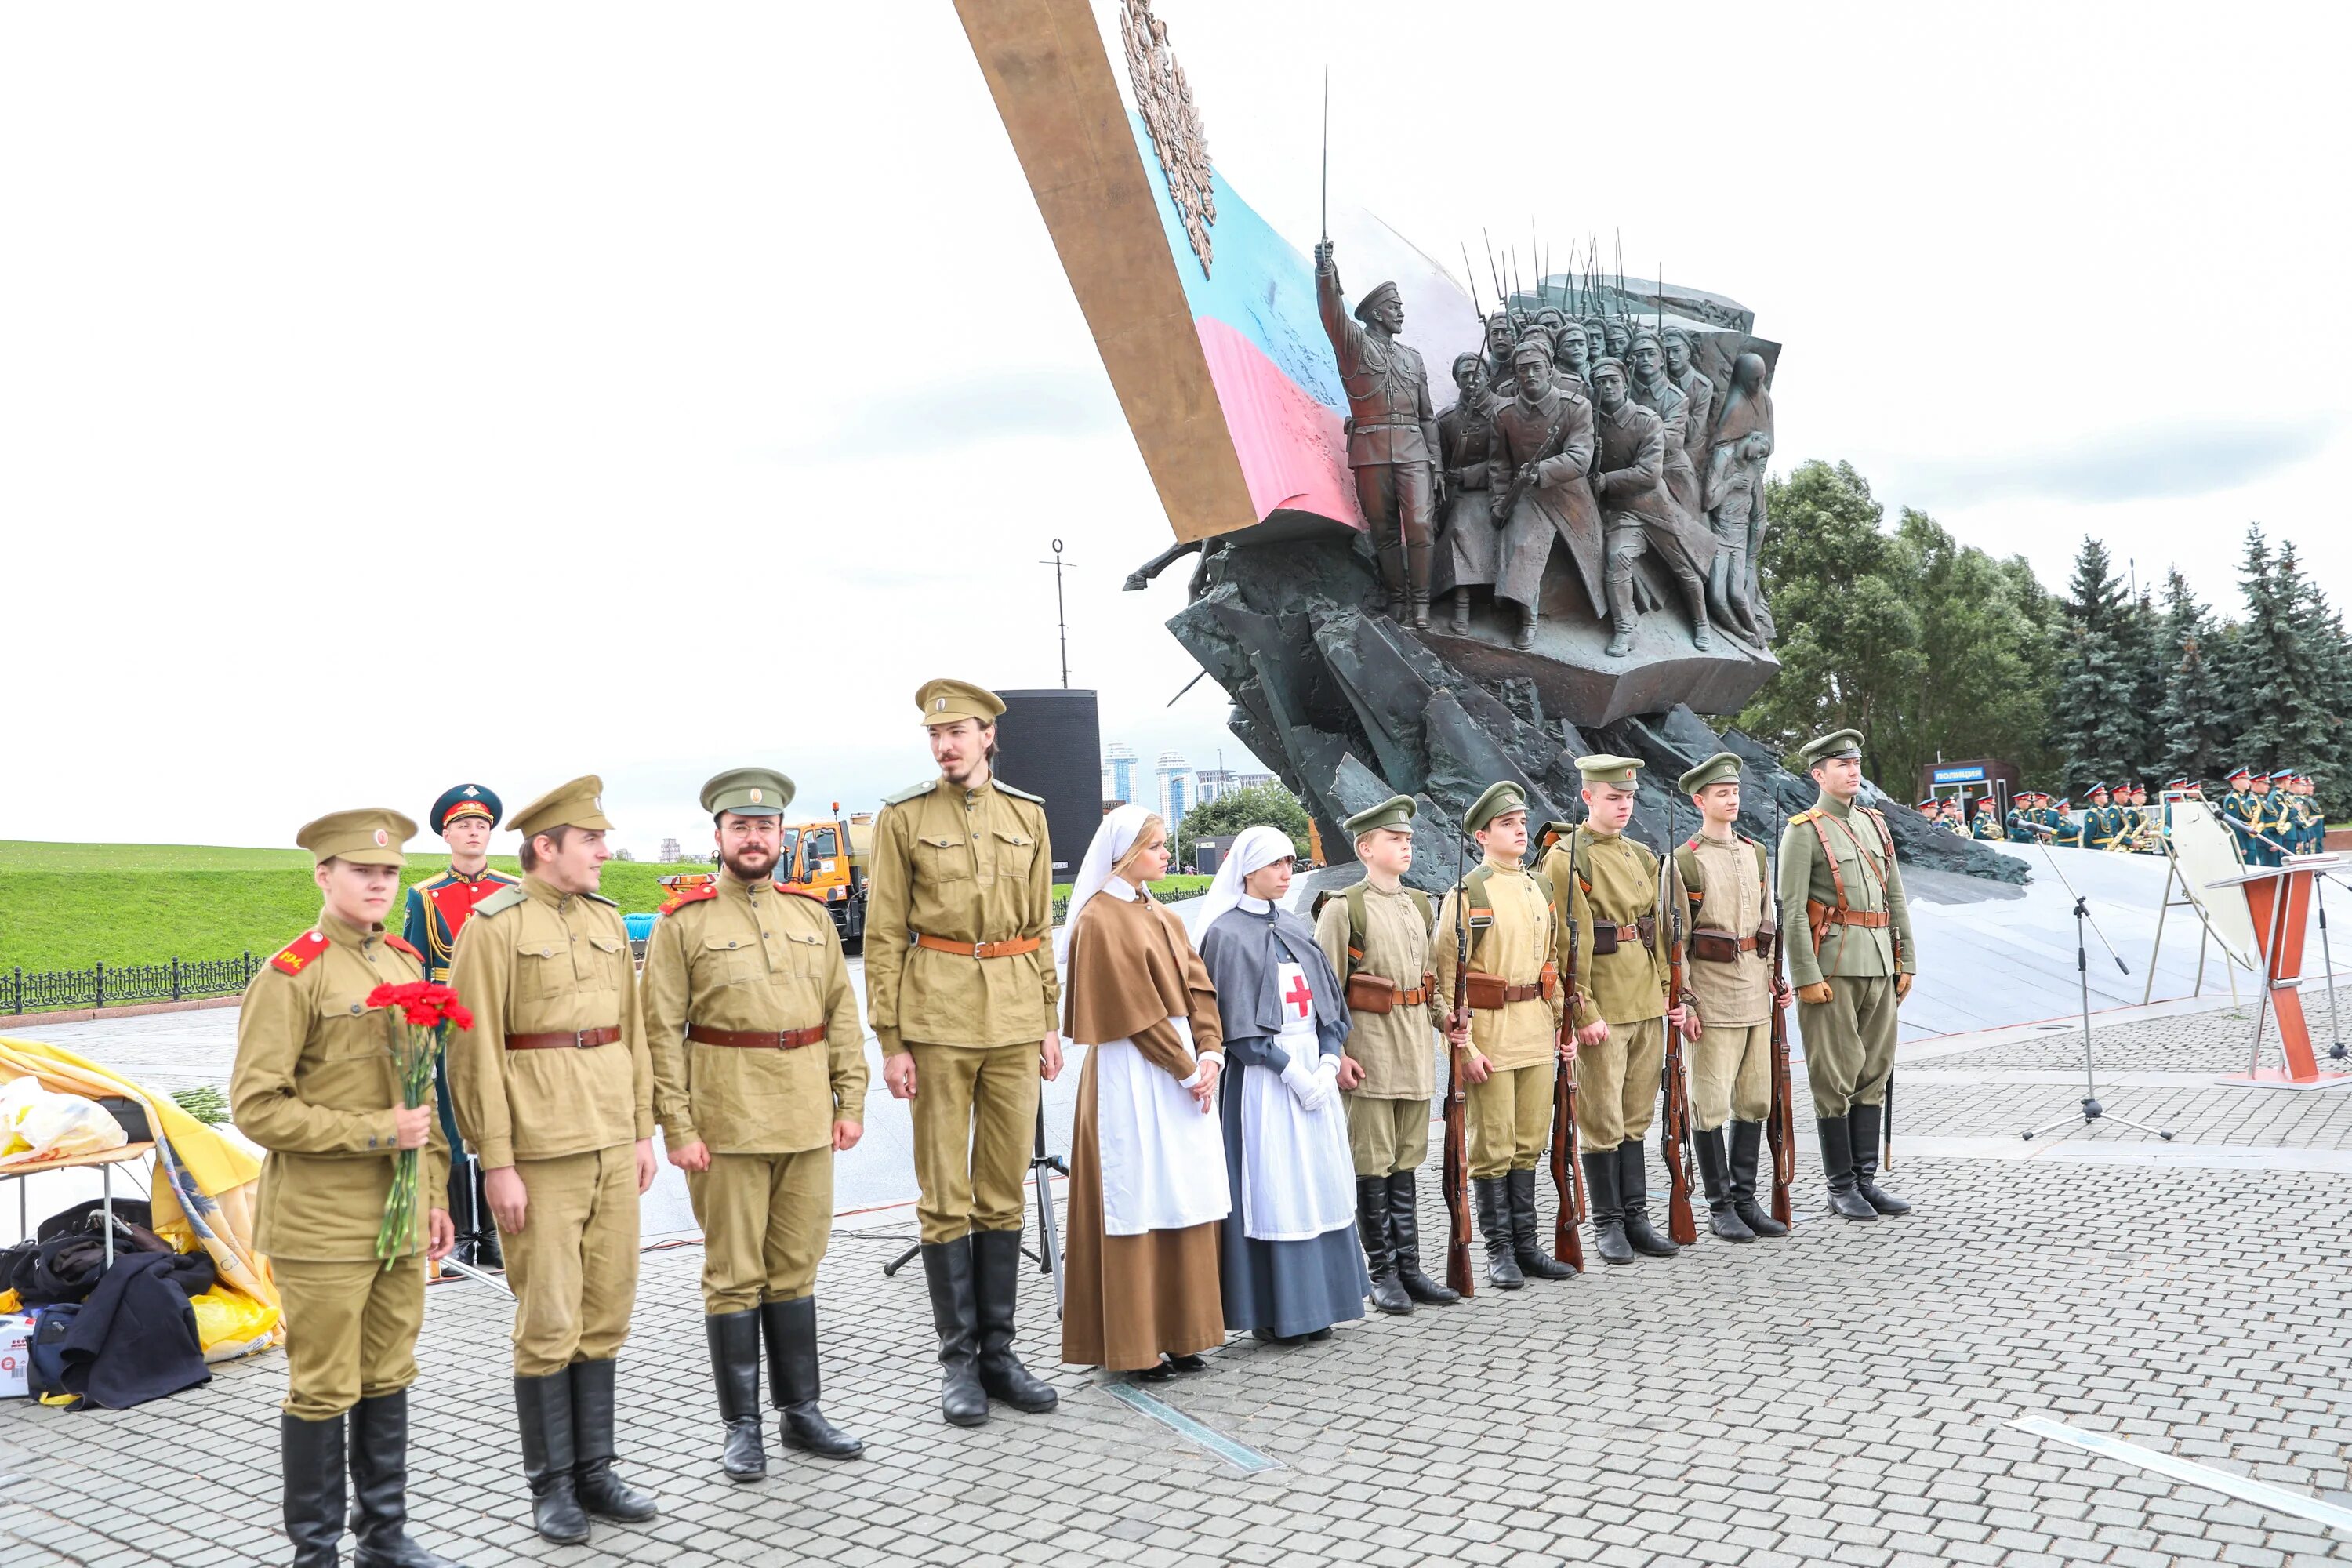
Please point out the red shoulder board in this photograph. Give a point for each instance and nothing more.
(681, 897)
(296, 957)
(402, 944)
(798, 892)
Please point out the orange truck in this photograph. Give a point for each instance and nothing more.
(812, 860)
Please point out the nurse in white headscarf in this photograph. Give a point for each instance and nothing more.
(1147, 1166)
(1291, 1265)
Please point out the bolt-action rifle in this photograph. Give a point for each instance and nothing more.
(1525, 476)
(1681, 1225)
(1567, 1170)
(1780, 1127)
(1456, 1167)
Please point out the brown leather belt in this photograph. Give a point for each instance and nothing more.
(581, 1038)
(1420, 994)
(1012, 947)
(1632, 933)
(757, 1039)
(1869, 919)
(1521, 993)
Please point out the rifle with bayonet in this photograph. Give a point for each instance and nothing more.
(1681, 1227)
(1455, 1173)
(1780, 1127)
(1525, 475)
(1566, 1169)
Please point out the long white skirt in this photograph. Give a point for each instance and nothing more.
(1163, 1159)
(1299, 1177)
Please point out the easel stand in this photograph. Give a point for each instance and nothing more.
(2280, 899)
(1047, 1254)
(2092, 1111)
(2173, 877)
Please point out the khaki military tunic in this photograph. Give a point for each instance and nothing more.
(1731, 1061)
(1387, 1113)
(567, 1119)
(1606, 878)
(1849, 1039)
(1509, 1115)
(315, 1084)
(752, 958)
(965, 865)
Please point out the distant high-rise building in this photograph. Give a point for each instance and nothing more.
(1120, 776)
(1175, 789)
(1216, 783)
(670, 853)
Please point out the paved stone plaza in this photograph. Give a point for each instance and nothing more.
(1840, 1396)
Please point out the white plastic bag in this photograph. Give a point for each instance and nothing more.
(36, 1124)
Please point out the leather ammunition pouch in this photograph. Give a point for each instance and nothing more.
(1720, 946)
(1371, 993)
(1489, 993)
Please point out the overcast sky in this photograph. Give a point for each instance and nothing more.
(390, 396)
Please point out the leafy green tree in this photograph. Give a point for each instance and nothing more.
(2093, 721)
(1265, 805)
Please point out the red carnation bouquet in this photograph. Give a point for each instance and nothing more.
(419, 1015)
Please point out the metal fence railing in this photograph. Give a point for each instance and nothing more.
(110, 984)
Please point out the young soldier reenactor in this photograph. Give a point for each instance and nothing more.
(1729, 962)
(554, 1091)
(1609, 886)
(1376, 934)
(315, 1085)
(960, 991)
(1837, 864)
(438, 907)
(1512, 1033)
(743, 977)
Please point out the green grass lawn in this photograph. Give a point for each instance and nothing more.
(1161, 889)
(65, 906)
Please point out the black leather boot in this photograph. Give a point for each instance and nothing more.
(1837, 1168)
(955, 1313)
(1600, 1197)
(1747, 1143)
(793, 1382)
(1864, 1121)
(1493, 1205)
(543, 1418)
(602, 1492)
(379, 1464)
(735, 1371)
(310, 1459)
(996, 1274)
(1526, 1242)
(1714, 1175)
(1633, 1200)
(1379, 1254)
(1405, 1235)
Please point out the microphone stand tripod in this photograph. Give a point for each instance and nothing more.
(1047, 1255)
(2092, 1110)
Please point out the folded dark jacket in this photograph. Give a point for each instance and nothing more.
(136, 1337)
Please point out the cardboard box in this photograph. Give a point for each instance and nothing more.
(15, 1356)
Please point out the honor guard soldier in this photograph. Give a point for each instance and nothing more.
(2314, 820)
(2243, 812)
(2286, 825)
(1985, 825)
(2101, 823)
(961, 993)
(1730, 998)
(1837, 864)
(759, 1078)
(2066, 832)
(1376, 933)
(1608, 885)
(554, 1091)
(2020, 823)
(438, 909)
(1512, 1034)
(315, 1084)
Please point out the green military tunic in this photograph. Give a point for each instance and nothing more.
(1607, 879)
(752, 959)
(969, 867)
(315, 1084)
(1731, 1061)
(1837, 864)
(1387, 1113)
(1513, 939)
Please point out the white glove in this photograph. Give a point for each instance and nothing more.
(1305, 1085)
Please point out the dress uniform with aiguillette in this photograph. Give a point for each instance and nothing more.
(757, 1052)
(1514, 995)
(960, 973)
(315, 1085)
(1728, 969)
(1837, 864)
(554, 1081)
(1379, 942)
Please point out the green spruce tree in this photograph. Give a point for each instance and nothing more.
(2285, 723)
(2192, 722)
(2095, 722)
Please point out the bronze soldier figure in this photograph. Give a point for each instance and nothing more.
(1542, 451)
(1391, 432)
(1637, 514)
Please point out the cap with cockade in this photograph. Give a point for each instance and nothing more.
(2096, 789)
(579, 804)
(1603, 769)
(2282, 773)
(464, 800)
(1984, 802)
(748, 792)
(2240, 773)
(950, 701)
(371, 835)
(1926, 805)
(1825, 747)
(2065, 802)
(1722, 767)
(1394, 812)
(1499, 800)
(1373, 298)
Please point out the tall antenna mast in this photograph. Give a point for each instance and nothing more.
(1062, 619)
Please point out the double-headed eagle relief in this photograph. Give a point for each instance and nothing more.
(1178, 135)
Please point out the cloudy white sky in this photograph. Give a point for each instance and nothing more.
(696, 380)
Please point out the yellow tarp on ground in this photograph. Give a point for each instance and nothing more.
(205, 1184)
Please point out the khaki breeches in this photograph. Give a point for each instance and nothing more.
(351, 1332)
(765, 1221)
(1387, 1135)
(1510, 1116)
(1731, 1074)
(975, 1113)
(1617, 1085)
(573, 1268)
(1849, 1043)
